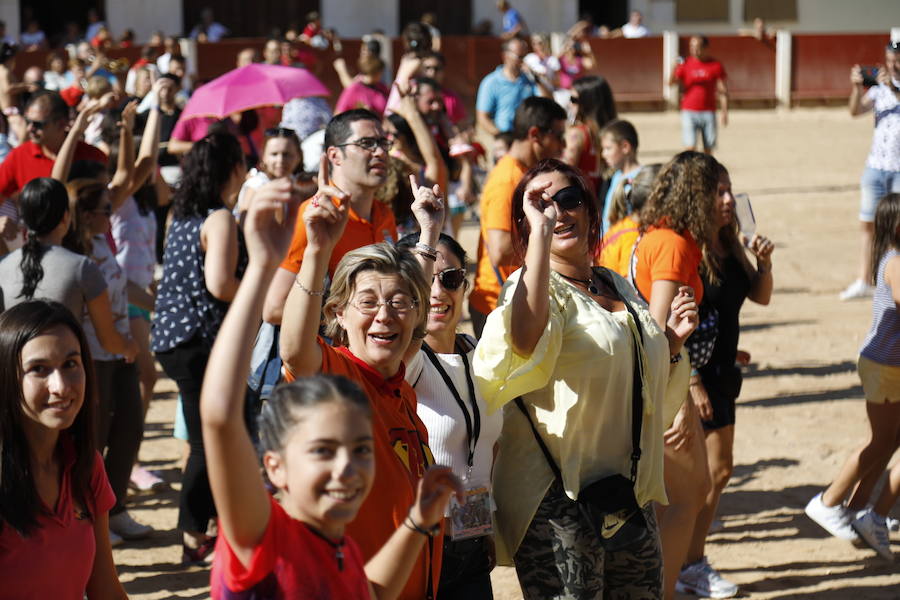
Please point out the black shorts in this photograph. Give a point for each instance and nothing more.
(723, 385)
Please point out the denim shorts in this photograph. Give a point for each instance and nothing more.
(703, 120)
(875, 184)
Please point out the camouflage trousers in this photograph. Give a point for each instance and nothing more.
(561, 558)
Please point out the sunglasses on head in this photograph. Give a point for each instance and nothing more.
(280, 132)
(894, 46)
(568, 198)
(451, 279)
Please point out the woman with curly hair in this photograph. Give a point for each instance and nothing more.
(677, 229)
(202, 266)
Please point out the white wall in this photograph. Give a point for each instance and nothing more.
(9, 12)
(355, 18)
(540, 15)
(145, 17)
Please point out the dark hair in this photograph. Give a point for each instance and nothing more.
(206, 169)
(53, 101)
(7, 51)
(536, 112)
(887, 229)
(405, 131)
(89, 169)
(338, 129)
(417, 38)
(428, 82)
(19, 500)
(704, 41)
(175, 78)
(286, 134)
(595, 100)
(410, 240)
(178, 58)
(281, 412)
(42, 205)
(84, 197)
(435, 55)
(521, 228)
(621, 131)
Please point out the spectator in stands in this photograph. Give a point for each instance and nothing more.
(172, 48)
(247, 56)
(759, 31)
(33, 37)
(147, 59)
(214, 31)
(511, 24)
(47, 118)
(503, 89)
(272, 52)
(103, 39)
(539, 133)
(882, 173)
(94, 24)
(634, 28)
(542, 62)
(71, 35)
(55, 75)
(4, 37)
(126, 40)
(703, 79)
(156, 39)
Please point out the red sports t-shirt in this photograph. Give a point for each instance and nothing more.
(699, 79)
(401, 457)
(56, 560)
(28, 161)
(291, 561)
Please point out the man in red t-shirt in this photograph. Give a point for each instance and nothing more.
(702, 79)
(47, 119)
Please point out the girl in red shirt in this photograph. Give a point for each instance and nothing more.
(318, 443)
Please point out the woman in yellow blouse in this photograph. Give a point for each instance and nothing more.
(563, 339)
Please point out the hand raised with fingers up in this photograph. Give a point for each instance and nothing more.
(269, 223)
(428, 207)
(326, 214)
(128, 113)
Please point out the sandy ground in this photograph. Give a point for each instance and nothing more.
(801, 410)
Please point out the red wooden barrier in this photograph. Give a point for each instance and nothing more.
(821, 63)
(633, 67)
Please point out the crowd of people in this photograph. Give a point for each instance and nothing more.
(295, 271)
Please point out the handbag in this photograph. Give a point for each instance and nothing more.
(609, 504)
(701, 343)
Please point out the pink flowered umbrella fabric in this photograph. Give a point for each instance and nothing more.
(252, 86)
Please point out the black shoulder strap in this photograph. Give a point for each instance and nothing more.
(540, 441)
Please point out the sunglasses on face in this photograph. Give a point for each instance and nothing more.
(32, 124)
(369, 144)
(568, 198)
(451, 279)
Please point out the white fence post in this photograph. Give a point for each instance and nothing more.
(670, 54)
(783, 54)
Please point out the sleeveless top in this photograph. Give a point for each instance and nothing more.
(589, 163)
(882, 344)
(184, 306)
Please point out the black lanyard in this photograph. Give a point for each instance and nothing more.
(473, 432)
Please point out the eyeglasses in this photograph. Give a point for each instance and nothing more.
(371, 306)
(35, 124)
(451, 279)
(369, 144)
(569, 198)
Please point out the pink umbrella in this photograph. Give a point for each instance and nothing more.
(252, 86)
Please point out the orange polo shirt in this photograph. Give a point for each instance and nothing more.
(496, 213)
(401, 457)
(381, 227)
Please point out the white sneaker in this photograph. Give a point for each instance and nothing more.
(127, 528)
(833, 519)
(115, 539)
(701, 579)
(892, 523)
(857, 289)
(872, 528)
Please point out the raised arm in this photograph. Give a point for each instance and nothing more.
(763, 283)
(148, 154)
(234, 476)
(531, 300)
(435, 169)
(325, 218)
(120, 185)
(63, 163)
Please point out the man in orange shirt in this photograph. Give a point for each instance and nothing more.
(538, 133)
(357, 153)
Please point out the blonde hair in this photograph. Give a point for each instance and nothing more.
(635, 198)
(97, 86)
(381, 258)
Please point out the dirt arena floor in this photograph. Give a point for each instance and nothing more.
(801, 410)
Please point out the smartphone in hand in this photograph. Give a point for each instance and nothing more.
(743, 210)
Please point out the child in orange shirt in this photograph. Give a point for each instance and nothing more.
(618, 243)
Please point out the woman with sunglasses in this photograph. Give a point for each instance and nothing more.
(376, 304)
(564, 338)
(461, 433)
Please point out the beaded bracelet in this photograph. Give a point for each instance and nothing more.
(306, 289)
(410, 524)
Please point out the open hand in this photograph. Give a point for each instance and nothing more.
(434, 491)
(269, 222)
(428, 206)
(326, 214)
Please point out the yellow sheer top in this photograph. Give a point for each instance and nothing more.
(576, 386)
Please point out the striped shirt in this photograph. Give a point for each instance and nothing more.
(882, 344)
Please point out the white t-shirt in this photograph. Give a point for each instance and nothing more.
(885, 151)
(634, 31)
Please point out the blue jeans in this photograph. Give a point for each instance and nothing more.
(702, 120)
(874, 186)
